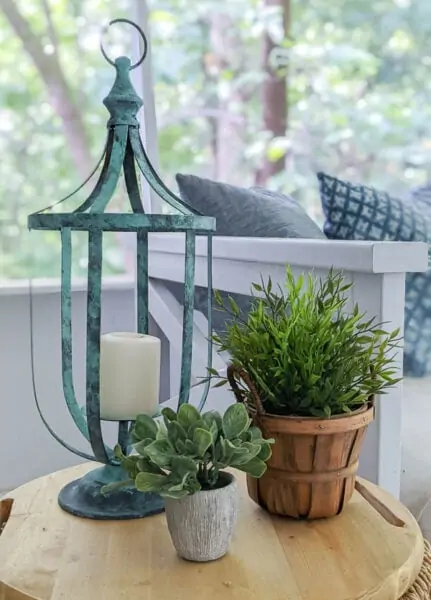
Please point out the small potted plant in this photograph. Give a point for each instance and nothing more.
(307, 370)
(183, 458)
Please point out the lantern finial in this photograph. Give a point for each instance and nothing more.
(122, 102)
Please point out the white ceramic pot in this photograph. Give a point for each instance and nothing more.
(201, 525)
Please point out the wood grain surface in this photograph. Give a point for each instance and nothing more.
(46, 554)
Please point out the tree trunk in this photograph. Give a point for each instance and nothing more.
(59, 91)
(227, 127)
(274, 96)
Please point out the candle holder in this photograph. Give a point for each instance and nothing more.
(125, 152)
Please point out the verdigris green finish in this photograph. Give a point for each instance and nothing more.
(120, 222)
(124, 154)
(83, 497)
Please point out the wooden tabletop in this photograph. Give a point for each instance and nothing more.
(46, 554)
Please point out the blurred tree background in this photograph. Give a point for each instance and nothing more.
(250, 92)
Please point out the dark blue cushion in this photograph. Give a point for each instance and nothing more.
(358, 212)
(253, 212)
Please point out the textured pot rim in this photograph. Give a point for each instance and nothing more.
(231, 479)
(311, 425)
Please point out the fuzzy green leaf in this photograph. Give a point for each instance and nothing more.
(139, 447)
(200, 424)
(160, 452)
(225, 451)
(118, 453)
(145, 464)
(265, 452)
(240, 457)
(190, 448)
(168, 415)
(214, 431)
(149, 482)
(183, 465)
(162, 432)
(254, 433)
(235, 421)
(256, 468)
(145, 427)
(187, 415)
(130, 465)
(181, 447)
(202, 440)
(176, 433)
(210, 417)
(252, 448)
(114, 486)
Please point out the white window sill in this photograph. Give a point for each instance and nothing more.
(21, 287)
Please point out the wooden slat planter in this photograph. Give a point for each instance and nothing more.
(311, 473)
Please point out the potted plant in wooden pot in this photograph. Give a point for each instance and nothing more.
(307, 370)
(183, 458)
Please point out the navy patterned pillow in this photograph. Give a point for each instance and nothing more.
(422, 194)
(358, 212)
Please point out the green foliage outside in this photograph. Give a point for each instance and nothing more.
(188, 451)
(359, 102)
(304, 352)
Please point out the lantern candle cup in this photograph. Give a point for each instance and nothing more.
(129, 376)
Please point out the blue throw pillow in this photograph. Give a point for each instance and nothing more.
(250, 212)
(358, 212)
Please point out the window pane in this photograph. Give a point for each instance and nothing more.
(52, 122)
(354, 101)
(358, 103)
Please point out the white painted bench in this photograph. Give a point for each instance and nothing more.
(376, 268)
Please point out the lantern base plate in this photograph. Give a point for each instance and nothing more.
(83, 497)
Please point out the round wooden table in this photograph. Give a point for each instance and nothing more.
(372, 551)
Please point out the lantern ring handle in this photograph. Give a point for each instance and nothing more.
(138, 29)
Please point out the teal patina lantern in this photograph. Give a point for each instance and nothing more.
(125, 156)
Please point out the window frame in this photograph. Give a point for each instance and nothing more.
(143, 81)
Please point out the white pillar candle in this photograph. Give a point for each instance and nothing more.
(129, 376)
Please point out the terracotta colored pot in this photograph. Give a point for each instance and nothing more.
(311, 473)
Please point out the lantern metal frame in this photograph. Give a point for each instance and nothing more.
(124, 151)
